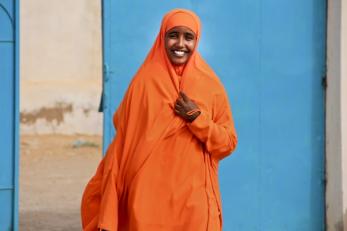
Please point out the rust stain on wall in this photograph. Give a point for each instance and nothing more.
(50, 114)
(86, 111)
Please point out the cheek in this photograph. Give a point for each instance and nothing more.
(191, 45)
(169, 43)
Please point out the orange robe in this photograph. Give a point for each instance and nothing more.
(160, 173)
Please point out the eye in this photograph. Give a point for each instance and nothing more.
(189, 36)
(172, 35)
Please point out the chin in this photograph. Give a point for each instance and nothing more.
(179, 62)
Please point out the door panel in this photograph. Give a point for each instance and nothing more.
(9, 116)
(270, 56)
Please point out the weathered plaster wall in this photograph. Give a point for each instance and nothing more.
(343, 90)
(336, 117)
(61, 66)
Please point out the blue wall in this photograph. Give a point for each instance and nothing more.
(270, 55)
(9, 116)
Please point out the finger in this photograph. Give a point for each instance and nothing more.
(177, 106)
(180, 98)
(184, 96)
(180, 101)
(179, 109)
(178, 112)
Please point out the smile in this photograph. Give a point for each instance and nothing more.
(179, 53)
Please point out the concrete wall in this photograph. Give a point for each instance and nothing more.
(344, 104)
(61, 66)
(336, 117)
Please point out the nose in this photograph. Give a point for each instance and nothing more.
(180, 43)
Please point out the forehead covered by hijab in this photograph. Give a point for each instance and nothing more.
(181, 17)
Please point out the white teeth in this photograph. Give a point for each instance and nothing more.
(179, 53)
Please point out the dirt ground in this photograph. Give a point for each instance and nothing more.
(54, 170)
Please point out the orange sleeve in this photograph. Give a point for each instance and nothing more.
(218, 134)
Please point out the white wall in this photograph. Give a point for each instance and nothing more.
(336, 117)
(343, 90)
(61, 66)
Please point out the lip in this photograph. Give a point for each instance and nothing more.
(173, 52)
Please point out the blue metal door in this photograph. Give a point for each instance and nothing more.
(9, 115)
(270, 55)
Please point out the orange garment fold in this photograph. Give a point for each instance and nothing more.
(160, 172)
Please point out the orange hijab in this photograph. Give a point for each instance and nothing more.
(144, 118)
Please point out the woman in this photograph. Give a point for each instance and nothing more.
(173, 127)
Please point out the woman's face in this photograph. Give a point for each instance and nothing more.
(179, 44)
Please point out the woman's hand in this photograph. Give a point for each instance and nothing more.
(186, 108)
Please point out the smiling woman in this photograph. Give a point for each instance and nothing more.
(173, 125)
(179, 43)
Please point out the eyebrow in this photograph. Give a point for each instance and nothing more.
(185, 33)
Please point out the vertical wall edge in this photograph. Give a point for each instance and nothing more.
(16, 119)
